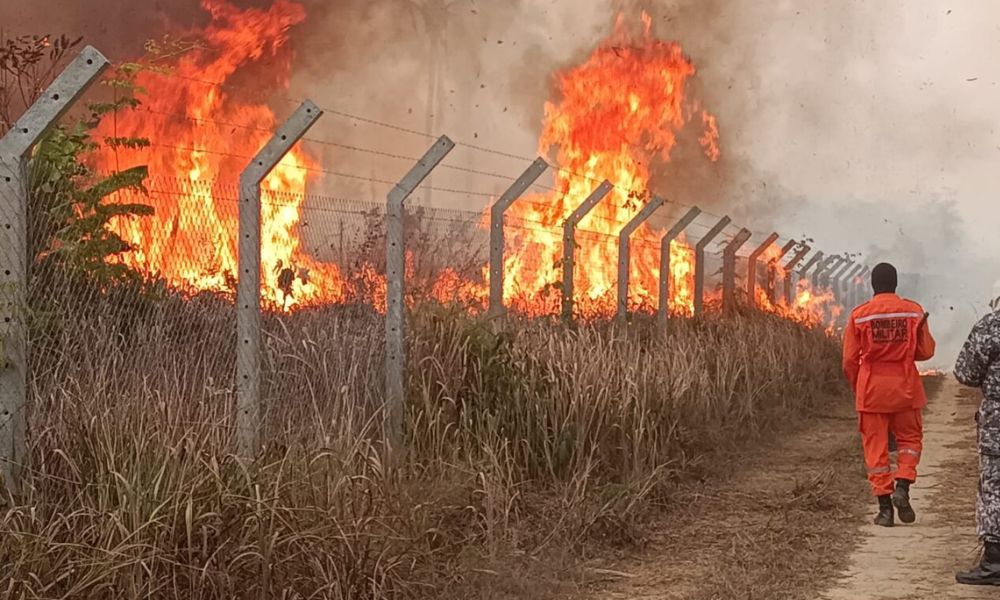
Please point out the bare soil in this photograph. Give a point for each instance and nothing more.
(918, 561)
(781, 524)
(792, 520)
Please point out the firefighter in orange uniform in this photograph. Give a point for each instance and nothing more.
(885, 337)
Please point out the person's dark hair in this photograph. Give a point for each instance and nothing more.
(884, 279)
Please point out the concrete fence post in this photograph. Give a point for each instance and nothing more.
(791, 275)
(835, 282)
(832, 270)
(815, 260)
(624, 254)
(861, 285)
(395, 274)
(846, 281)
(15, 151)
(666, 267)
(817, 263)
(729, 268)
(834, 275)
(773, 267)
(497, 240)
(836, 279)
(821, 267)
(699, 264)
(248, 318)
(569, 245)
(752, 262)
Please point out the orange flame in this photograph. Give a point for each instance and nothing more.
(190, 241)
(618, 116)
(810, 307)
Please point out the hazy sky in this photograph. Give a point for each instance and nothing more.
(863, 107)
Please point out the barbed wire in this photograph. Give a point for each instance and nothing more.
(372, 179)
(367, 209)
(476, 147)
(203, 121)
(395, 127)
(399, 128)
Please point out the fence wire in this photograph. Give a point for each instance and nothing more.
(134, 294)
(142, 304)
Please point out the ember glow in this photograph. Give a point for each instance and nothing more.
(617, 117)
(190, 241)
(810, 306)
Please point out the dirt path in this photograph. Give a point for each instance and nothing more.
(792, 521)
(918, 561)
(780, 525)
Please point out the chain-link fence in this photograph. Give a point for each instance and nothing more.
(131, 277)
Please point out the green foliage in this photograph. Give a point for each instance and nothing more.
(73, 208)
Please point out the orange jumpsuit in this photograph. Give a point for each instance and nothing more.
(884, 338)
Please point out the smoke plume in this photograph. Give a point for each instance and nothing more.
(866, 126)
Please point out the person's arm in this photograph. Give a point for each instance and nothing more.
(977, 355)
(852, 354)
(926, 346)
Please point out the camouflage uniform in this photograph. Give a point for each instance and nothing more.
(979, 366)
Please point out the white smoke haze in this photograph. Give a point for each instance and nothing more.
(868, 126)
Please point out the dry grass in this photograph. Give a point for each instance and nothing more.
(793, 535)
(774, 521)
(527, 442)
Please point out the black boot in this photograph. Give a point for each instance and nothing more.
(988, 571)
(901, 500)
(885, 513)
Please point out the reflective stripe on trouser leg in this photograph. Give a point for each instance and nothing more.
(874, 428)
(908, 425)
(988, 502)
(907, 462)
(881, 479)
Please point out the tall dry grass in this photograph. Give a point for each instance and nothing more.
(523, 439)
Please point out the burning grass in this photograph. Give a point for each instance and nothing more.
(525, 442)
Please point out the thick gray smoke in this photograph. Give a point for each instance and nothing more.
(868, 126)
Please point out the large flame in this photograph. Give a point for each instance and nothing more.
(617, 117)
(190, 241)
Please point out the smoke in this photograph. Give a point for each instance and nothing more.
(866, 126)
(861, 125)
(477, 71)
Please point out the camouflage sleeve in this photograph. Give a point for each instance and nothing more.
(979, 352)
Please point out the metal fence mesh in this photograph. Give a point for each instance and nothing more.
(132, 295)
(155, 317)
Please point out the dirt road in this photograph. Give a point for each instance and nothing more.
(792, 522)
(779, 524)
(918, 562)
